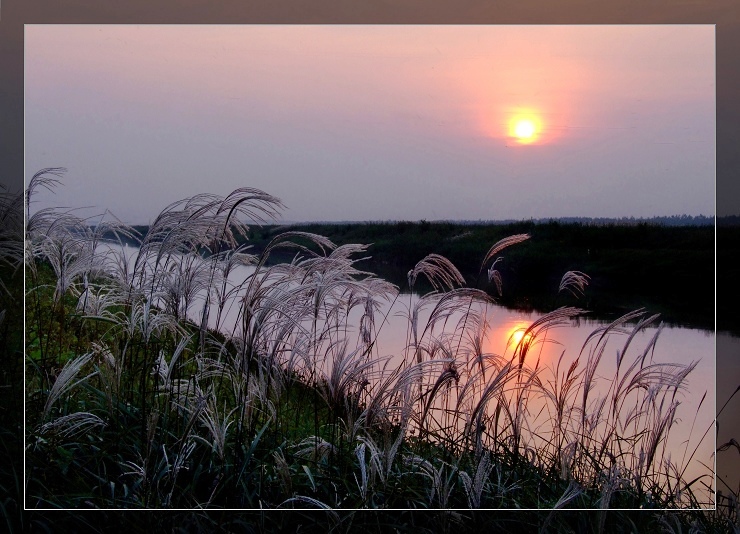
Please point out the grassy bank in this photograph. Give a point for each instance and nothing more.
(129, 405)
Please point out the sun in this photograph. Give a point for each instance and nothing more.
(525, 128)
(515, 335)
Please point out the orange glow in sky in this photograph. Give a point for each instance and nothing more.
(594, 121)
(527, 98)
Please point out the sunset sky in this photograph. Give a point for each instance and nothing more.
(377, 122)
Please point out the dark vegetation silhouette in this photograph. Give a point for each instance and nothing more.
(132, 403)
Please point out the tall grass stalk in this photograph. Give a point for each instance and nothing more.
(135, 399)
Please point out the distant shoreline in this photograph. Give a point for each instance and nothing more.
(667, 269)
(673, 220)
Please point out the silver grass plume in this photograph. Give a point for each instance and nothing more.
(440, 272)
(67, 380)
(575, 282)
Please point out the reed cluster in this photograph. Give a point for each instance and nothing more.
(141, 394)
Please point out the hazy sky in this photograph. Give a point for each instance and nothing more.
(377, 122)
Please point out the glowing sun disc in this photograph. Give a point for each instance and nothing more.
(515, 335)
(524, 129)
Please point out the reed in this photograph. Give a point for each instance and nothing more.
(134, 401)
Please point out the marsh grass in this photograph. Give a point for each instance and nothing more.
(133, 401)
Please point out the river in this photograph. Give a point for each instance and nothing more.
(691, 442)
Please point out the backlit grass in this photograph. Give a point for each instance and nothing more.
(133, 400)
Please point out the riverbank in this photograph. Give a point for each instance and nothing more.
(129, 405)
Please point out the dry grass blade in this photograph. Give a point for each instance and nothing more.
(163, 369)
(531, 335)
(613, 327)
(441, 485)
(501, 245)
(446, 305)
(362, 486)
(440, 272)
(314, 448)
(217, 427)
(495, 276)
(448, 375)
(282, 240)
(657, 432)
(660, 376)
(377, 462)
(253, 203)
(640, 326)
(495, 385)
(474, 487)
(426, 469)
(72, 424)
(347, 369)
(571, 492)
(575, 282)
(47, 178)
(400, 381)
(66, 380)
